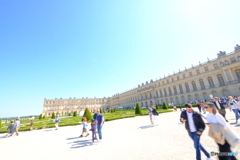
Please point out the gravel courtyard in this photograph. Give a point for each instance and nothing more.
(124, 139)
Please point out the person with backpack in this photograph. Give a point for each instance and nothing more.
(155, 116)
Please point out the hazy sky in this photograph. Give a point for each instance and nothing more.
(86, 48)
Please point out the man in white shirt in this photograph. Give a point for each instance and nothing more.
(195, 126)
(17, 126)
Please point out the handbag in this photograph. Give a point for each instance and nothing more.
(215, 131)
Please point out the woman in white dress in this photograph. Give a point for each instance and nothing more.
(214, 118)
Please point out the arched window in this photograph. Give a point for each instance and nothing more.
(178, 78)
(202, 84)
(180, 88)
(194, 85)
(157, 93)
(170, 91)
(220, 80)
(161, 93)
(165, 92)
(210, 81)
(187, 87)
(237, 71)
(175, 90)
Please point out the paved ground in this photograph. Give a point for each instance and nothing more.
(125, 139)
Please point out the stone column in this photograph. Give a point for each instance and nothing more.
(230, 71)
(215, 80)
(225, 77)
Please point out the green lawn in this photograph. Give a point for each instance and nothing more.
(68, 121)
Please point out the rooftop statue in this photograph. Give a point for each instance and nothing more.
(237, 48)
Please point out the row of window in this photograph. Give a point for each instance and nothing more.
(198, 72)
(187, 88)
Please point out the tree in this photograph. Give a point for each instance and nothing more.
(156, 107)
(75, 114)
(138, 109)
(53, 115)
(0, 123)
(44, 117)
(40, 117)
(87, 114)
(101, 110)
(69, 114)
(164, 106)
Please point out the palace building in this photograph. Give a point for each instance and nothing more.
(217, 77)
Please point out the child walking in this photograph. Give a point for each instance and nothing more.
(94, 129)
(85, 125)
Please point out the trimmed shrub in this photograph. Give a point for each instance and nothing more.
(156, 107)
(44, 117)
(164, 106)
(87, 114)
(75, 114)
(0, 123)
(53, 115)
(138, 109)
(194, 105)
(40, 117)
(101, 110)
(69, 114)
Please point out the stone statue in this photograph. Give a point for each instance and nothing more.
(237, 48)
(221, 54)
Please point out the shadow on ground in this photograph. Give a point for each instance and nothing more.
(72, 138)
(81, 143)
(48, 130)
(145, 127)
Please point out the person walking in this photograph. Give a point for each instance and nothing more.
(17, 126)
(100, 122)
(85, 125)
(199, 106)
(202, 108)
(195, 126)
(150, 115)
(57, 120)
(220, 107)
(31, 125)
(216, 120)
(180, 107)
(94, 129)
(155, 116)
(233, 107)
(11, 129)
(95, 113)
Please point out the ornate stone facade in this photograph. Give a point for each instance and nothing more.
(217, 77)
(66, 106)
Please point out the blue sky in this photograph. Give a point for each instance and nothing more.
(79, 48)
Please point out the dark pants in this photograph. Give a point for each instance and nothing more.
(225, 148)
(94, 135)
(196, 140)
(199, 108)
